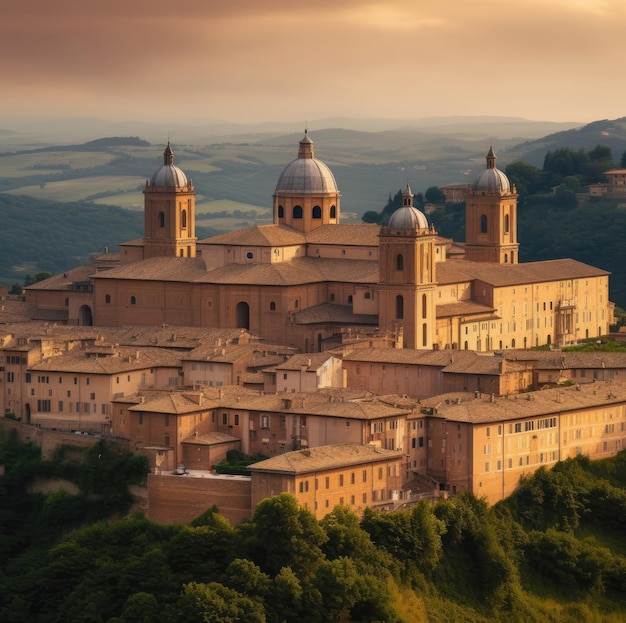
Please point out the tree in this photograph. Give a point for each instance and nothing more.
(434, 194)
(622, 162)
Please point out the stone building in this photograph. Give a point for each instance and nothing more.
(307, 279)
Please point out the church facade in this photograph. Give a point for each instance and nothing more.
(307, 280)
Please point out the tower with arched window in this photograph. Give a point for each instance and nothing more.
(306, 195)
(406, 289)
(491, 217)
(169, 212)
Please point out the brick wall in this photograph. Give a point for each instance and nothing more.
(180, 499)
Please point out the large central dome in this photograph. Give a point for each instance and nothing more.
(306, 174)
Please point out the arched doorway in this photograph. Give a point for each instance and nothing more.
(243, 315)
(85, 317)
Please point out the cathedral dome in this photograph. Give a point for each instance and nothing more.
(306, 174)
(408, 216)
(168, 175)
(492, 179)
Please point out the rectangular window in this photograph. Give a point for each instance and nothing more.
(236, 419)
(225, 419)
(265, 421)
(282, 421)
(364, 475)
(341, 480)
(327, 482)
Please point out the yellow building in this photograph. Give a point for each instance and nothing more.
(306, 280)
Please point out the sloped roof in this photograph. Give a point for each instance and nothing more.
(324, 457)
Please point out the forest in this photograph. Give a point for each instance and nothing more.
(554, 551)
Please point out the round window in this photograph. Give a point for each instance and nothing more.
(249, 255)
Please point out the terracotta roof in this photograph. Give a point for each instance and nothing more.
(500, 275)
(64, 281)
(452, 361)
(258, 236)
(210, 439)
(324, 457)
(312, 361)
(462, 308)
(464, 407)
(348, 234)
(330, 402)
(124, 359)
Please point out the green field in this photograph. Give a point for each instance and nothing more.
(84, 188)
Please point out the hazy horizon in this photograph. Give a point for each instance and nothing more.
(247, 62)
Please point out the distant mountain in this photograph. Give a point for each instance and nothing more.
(42, 132)
(611, 133)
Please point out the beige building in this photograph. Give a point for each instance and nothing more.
(349, 475)
(485, 444)
(307, 279)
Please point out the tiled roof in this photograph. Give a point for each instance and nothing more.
(312, 361)
(210, 439)
(462, 308)
(124, 360)
(453, 271)
(324, 457)
(64, 281)
(331, 402)
(466, 408)
(258, 236)
(348, 234)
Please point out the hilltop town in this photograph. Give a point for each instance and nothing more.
(371, 366)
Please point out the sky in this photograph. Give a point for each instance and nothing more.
(284, 60)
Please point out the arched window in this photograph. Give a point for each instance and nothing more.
(399, 307)
(506, 223)
(350, 299)
(424, 306)
(465, 345)
(281, 212)
(272, 306)
(133, 300)
(424, 334)
(367, 296)
(483, 224)
(513, 343)
(107, 299)
(297, 211)
(183, 219)
(333, 211)
(161, 219)
(506, 258)
(317, 212)
(399, 262)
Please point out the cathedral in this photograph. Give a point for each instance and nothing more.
(308, 281)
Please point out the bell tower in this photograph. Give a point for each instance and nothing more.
(169, 212)
(406, 289)
(491, 217)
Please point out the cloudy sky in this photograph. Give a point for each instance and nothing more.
(260, 60)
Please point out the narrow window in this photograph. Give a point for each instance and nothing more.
(483, 224)
(399, 262)
(161, 219)
(399, 307)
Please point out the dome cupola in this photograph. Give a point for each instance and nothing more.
(306, 174)
(168, 175)
(492, 180)
(408, 216)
